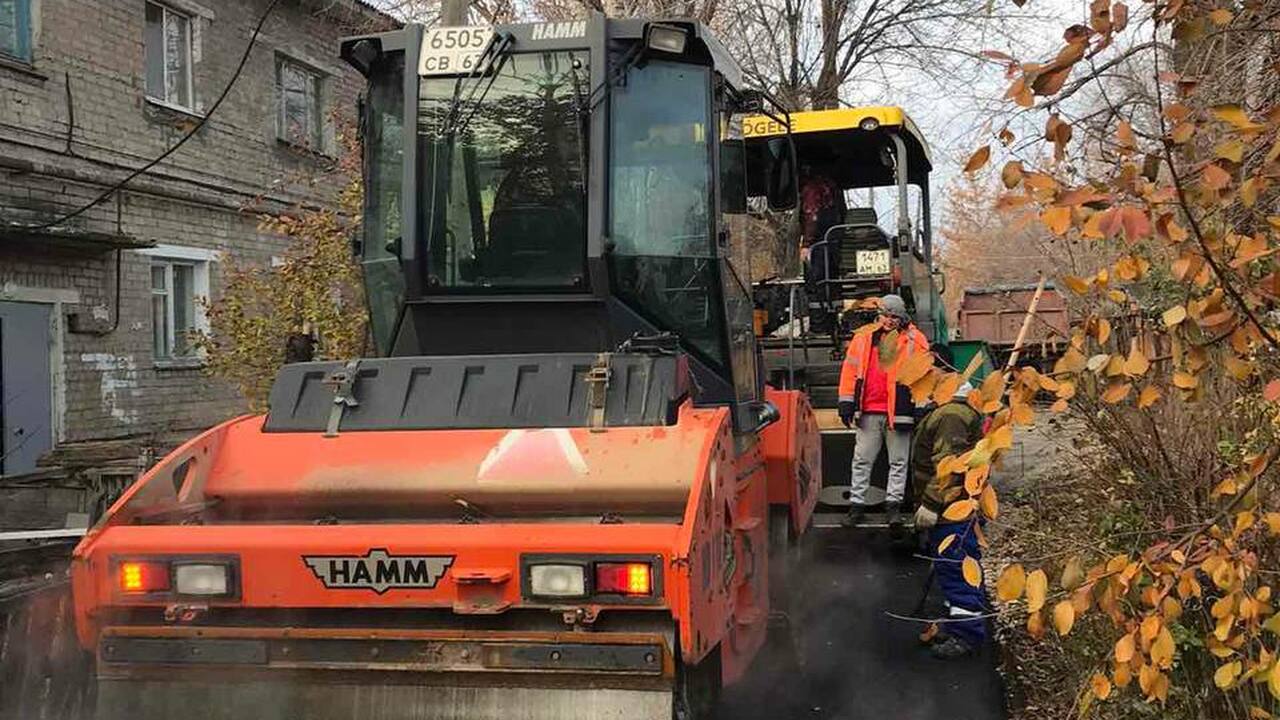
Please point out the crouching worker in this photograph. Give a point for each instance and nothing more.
(882, 411)
(953, 428)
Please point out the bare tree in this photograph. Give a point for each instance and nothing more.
(808, 50)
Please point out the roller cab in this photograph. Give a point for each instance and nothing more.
(557, 490)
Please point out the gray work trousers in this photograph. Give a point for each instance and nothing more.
(873, 431)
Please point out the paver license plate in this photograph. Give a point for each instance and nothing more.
(873, 262)
(453, 50)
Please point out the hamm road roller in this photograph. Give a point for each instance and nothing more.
(560, 487)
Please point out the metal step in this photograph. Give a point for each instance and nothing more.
(871, 521)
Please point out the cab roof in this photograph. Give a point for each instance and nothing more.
(835, 142)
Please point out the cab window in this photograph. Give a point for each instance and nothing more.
(662, 256)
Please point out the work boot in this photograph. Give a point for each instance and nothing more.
(857, 515)
(951, 648)
(893, 515)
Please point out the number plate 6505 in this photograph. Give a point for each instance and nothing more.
(453, 50)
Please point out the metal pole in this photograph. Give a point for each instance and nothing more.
(794, 326)
(454, 12)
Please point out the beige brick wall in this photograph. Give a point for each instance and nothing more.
(111, 386)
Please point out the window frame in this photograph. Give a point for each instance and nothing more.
(201, 261)
(190, 101)
(23, 51)
(318, 78)
(718, 363)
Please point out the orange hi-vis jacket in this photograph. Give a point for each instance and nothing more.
(858, 358)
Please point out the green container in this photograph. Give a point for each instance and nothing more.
(963, 352)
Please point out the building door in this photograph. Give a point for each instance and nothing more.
(26, 412)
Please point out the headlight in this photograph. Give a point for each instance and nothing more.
(557, 580)
(666, 38)
(201, 579)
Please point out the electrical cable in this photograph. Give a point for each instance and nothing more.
(118, 186)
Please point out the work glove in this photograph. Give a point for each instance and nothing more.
(848, 409)
(925, 518)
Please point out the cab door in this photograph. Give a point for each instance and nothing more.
(733, 249)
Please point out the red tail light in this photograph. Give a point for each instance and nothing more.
(143, 576)
(629, 578)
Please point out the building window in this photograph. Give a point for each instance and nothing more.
(177, 289)
(298, 91)
(168, 56)
(15, 29)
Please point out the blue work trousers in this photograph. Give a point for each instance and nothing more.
(963, 600)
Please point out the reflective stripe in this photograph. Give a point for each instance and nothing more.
(961, 612)
(846, 398)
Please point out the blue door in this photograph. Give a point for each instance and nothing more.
(26, 411)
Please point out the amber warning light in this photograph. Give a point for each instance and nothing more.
(633, 578)
(144, 577)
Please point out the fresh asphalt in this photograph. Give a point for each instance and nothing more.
(858, 662)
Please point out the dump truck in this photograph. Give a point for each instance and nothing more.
(858, 151)
(995, 314)
(561, 488)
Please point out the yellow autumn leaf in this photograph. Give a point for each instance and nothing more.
(1116, 392)
(1035, 625)
(1162, 650)
(1150, 627)
(1036, 587)
(1226, 675)
(1064, 617)
(1221, 16)
(1011, 583)
(1273, 681)
(975, 478)
(1234, 115)
(1237, 368)
(915, 368)
(1012, 173)
(1101, 686)
(1149, 396)
(1072, 361)
(1077, 285)
(959, 510)
(1273, 523)
(946, 543)
(972, 571)
(1022, 413)
(1073, 575)
(1174, 315)
(1124, 649)
(946, 388)
(989, 503)
(978, 159)
(1232, 150)
(1002, 438)
(1137, 364)
(922, 389)
(1057, 218)
(1104, 325)
(1185, 380)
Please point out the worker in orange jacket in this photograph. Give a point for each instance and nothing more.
(882, 411)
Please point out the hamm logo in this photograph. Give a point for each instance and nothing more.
(379, 570)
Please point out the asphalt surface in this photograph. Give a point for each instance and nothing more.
(859, 663)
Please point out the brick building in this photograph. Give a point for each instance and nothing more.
(94, 309)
